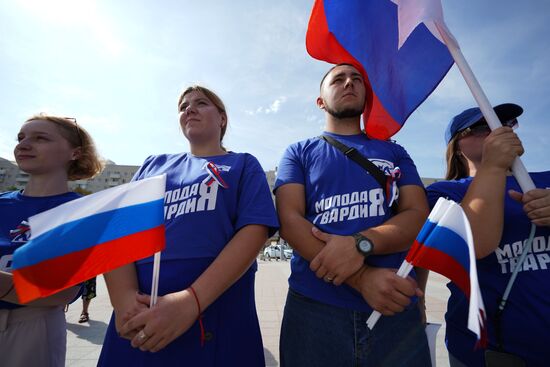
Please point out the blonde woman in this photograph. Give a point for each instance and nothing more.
(52, 150)
(218, 215)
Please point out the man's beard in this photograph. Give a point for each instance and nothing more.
(344, 113)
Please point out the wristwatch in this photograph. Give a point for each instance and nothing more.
(363, 244)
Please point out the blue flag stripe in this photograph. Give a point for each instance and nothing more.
(401, 78)
(427, 228)
(90, 231)
(450, 242)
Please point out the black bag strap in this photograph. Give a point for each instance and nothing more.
(355, 156)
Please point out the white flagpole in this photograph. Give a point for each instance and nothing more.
(155, 281)
(518, 169)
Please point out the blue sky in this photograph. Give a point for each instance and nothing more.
(118, 67)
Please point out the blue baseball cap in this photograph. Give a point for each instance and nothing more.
(505, 112)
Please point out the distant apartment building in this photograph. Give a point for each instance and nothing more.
(10, 175)
(271, 176)
(11, 178)
(113, 175)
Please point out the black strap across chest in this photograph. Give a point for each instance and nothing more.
(355, 156)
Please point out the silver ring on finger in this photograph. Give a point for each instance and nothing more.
(142, 336)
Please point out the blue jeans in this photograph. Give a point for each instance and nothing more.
(315, 334)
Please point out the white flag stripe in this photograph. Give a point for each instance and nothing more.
(133, 193)
(476, 301)
(411, 13)
(456, 220)
(438, 210)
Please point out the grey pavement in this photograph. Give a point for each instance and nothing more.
(84, 340)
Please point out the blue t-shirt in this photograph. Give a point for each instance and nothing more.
(525, 322)
(15, 210)
(342, 198)
(200, 215)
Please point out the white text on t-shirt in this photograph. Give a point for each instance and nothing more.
(349, 206)
(537, 259)
(190, 199)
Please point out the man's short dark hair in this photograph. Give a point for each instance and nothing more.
(332, 68)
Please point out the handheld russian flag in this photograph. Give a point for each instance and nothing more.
(445, 245)
(393, 43)
(89, 236)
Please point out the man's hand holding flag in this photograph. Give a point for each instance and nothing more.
(445, 245)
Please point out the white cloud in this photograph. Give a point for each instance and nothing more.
(273, 108)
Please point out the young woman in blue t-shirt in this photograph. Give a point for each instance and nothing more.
(52, 150)
(218, 214)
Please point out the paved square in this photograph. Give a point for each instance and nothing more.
(84, 340)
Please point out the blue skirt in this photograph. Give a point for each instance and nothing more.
(231, 325)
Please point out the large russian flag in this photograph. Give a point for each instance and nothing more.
(89, 236)
(393, 43)
(445, 245)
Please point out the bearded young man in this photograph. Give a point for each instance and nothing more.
(349, 241)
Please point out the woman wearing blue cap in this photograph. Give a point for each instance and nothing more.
(478, 175)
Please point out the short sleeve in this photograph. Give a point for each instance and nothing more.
(409, 173)
(255, 204)
(445, 189)
(141, 172)
(291, 168)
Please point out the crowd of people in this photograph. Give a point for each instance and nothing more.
(349, 235)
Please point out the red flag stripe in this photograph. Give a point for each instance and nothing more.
(69, 270)
(440, 262)
(322, 45)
